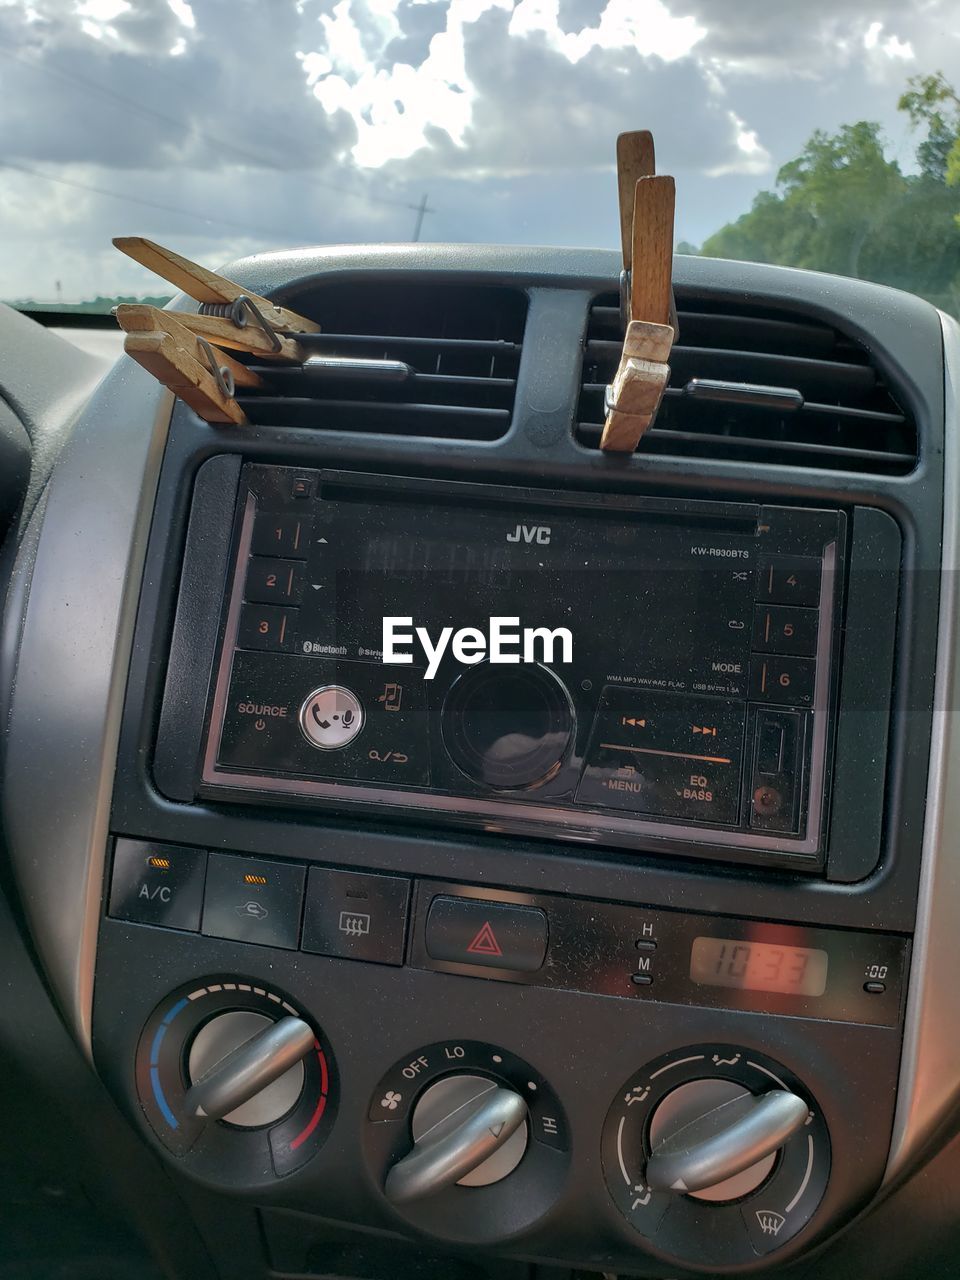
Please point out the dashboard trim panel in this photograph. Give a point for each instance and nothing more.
(72, 665)
(930, 1077)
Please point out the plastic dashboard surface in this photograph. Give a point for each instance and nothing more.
(370, 1016)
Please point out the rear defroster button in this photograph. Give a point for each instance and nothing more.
(331, 717)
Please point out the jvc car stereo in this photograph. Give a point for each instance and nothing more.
(646, 672)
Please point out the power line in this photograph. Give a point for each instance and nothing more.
(183, 125)
(149, 204)
(422, 210)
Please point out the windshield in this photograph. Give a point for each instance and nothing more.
(820, 135)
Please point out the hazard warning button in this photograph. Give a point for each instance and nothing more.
(497, 935)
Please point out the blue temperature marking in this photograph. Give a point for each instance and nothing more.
(159, 1098)
(161, 1101)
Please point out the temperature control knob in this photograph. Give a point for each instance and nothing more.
(247, 1069)
(467, 1130)
(236, 1081)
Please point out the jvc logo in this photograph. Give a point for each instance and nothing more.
(531, 533)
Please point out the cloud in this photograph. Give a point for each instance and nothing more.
(808, 40)
(233, 125)
(234, 96)
(504, 89)
(537, 110)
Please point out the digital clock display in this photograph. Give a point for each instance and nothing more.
(758, 966)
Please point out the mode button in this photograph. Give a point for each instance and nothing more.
(494, 935)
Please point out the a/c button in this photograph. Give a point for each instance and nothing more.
(157, 884)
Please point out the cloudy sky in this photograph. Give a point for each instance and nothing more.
(227, 126)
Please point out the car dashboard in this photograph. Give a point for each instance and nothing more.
(630, 952)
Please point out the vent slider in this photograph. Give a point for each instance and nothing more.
(743, 393)
(354, 369)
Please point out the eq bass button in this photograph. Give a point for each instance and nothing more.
(331, 717)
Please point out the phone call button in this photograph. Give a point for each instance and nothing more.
(331, 717)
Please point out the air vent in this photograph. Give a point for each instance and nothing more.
(452, 353)
(757, 386)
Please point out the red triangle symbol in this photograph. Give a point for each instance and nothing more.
(485, 943)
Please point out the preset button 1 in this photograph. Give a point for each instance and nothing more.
(281, 535)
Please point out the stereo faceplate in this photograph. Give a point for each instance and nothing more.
(691, 703)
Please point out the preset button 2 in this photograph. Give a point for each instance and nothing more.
(271, 581)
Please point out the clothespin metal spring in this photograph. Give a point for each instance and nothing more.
(240, 311)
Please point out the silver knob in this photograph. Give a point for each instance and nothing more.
(707, 1132)
(240, 1056)
(466, 1130)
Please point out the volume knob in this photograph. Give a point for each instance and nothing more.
(508, 728)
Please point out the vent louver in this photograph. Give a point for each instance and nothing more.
(454, 353)
(813, 397)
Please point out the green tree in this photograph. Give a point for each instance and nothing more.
(932, 104)
(843, 206)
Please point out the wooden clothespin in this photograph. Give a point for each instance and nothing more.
(243, 334)
(215, 293)
(646, 217)
(197, 372)
(177, 347)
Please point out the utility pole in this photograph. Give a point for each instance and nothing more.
(422, 209)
